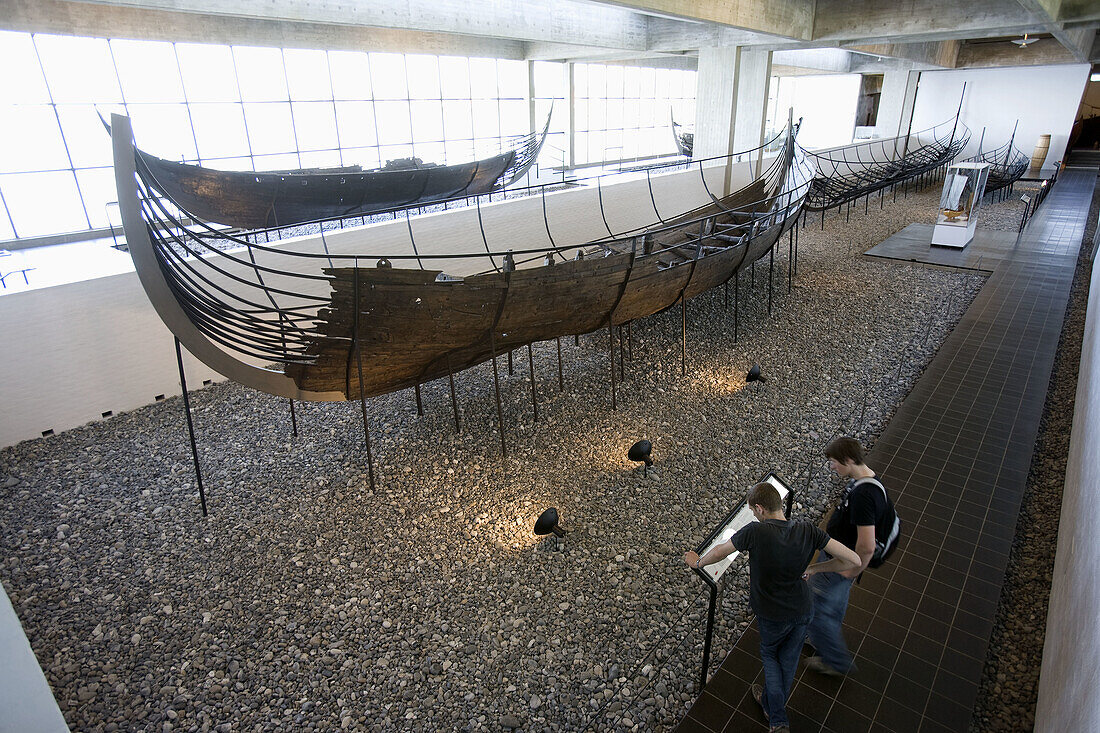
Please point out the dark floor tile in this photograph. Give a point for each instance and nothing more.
(800, 722)
(957, 689)
(711, 711)
(919, 671)
(893, 716)
(863, 700)
(896, 612)
(810, 702)
(870, 674)
(901, 691)
(842, 719)
(947, 713)
(741, 723)
(741, 663)
(726, 687)
(933, 628)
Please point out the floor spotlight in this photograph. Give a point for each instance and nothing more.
(641, 451)
(754, 375)
(548, 522)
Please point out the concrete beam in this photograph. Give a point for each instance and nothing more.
(671, 35)
(872, 22)
(1077, 41)
(83, 19)
(939, 53)
(813, 61)
(1044, 52)
(591, 54)
(785, 18)
(556, 21)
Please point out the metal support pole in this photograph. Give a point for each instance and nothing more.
(454, 398)
(771, 278)
(293, 420)
(683, 334)
(710, 632)
(790, 259)
(496, 385)
(363, 405)
(190, 427)
(622, 356)
(510, 370)
(736, 302)
(419, 404)
(534, 390)
(561, 377)
(611, 353)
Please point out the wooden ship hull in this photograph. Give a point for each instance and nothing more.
(399, 327)
(248, 200)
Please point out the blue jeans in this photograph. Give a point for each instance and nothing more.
(780, 644)
(830, 604)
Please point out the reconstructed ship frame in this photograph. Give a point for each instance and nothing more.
(257, 200)
(850, 173)
(1007, 163)
(324, 326)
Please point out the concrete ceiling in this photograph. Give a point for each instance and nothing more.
(823, 35)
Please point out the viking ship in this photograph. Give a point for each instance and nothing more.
(1006, 163)
(685, 138)
(247, 200)
(852, 172)
(304, 323)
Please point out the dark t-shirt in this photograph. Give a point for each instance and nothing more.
(779, 552)
(864, 504)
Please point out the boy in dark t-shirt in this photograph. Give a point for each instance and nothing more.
(863, 514)
(779, 552)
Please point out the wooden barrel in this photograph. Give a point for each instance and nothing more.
(1040, 154)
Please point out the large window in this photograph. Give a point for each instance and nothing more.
(260, 108)
(622, 112)
(230, 107)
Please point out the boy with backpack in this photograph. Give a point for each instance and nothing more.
(865, 522)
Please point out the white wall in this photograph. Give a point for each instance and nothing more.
(77, 350)
(1043, 98)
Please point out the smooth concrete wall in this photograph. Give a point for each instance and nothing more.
(76, 351)
(1043, 98)
(1071, 652)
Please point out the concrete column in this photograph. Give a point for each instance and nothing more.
(571, 143)
(909, 103)
(731, 101)
(891, 103)
(754, 70)
(715, 102)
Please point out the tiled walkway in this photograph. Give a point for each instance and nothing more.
(955, 457)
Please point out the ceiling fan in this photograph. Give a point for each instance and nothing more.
(1025, 41)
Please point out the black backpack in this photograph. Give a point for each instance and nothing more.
(883, 549)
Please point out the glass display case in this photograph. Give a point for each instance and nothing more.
(963, 188)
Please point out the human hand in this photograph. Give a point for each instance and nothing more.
(692, 559)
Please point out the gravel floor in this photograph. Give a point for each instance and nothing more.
(307, 601)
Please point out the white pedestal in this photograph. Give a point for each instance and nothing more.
(951, 235)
